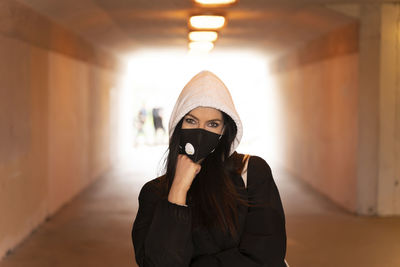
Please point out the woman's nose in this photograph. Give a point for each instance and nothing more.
(202, 126)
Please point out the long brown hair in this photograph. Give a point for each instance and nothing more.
(213, 195)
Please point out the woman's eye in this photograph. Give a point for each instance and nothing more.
(189, 120)
(214, 124)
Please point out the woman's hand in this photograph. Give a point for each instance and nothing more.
(186, 171)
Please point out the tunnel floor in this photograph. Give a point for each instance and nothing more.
(94, 228)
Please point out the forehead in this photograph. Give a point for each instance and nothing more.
(206, 113)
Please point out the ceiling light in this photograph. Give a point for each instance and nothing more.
(215, 2)
(209, 36)
(201, 46)
(207, 22)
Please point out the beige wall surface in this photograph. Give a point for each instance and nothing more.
(79, 126)
(320, 126)
(23, 144)
(368, 109)
(320, 98)
(55, 124)
(389, 135)
(341, 99)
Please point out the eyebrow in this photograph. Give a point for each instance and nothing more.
(208, 120)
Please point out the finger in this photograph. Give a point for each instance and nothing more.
(198, 170)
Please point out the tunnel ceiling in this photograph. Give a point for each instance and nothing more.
(123, 26)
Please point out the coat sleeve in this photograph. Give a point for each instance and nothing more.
(161, 232)
(263, 241)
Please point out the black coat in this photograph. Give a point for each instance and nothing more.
(162, 235)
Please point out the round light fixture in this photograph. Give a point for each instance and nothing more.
(198, 36)
(207, 22)
(201, 46)
(215, 2)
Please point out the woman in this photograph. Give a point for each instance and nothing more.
(202, 212)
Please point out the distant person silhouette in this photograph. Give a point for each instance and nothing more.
(157, 119)
(140, 120)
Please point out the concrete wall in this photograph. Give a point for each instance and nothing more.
(55, 107)
(318, 90)
(341, 99)
(368, 109)
(389, 135)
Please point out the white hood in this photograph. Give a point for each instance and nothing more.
(206, 90)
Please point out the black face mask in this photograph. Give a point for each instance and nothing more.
(198, 143)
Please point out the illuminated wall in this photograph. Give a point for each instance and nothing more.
(318, 90)
(341, 107)
(55, 134)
